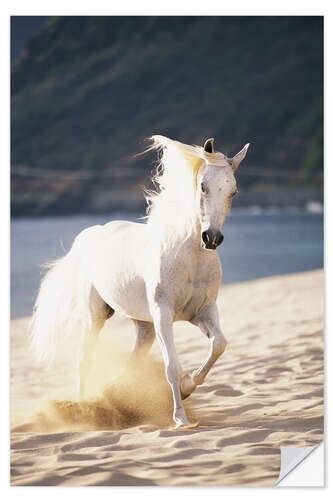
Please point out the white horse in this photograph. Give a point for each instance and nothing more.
(157, 272)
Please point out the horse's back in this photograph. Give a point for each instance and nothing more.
(118, 226)
(110, 233)
(125, 237)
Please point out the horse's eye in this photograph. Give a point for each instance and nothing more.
(204, 188)
(234, 193)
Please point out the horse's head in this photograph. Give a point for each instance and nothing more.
(194, 183)
(216, 186)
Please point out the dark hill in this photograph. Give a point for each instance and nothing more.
(88, 90)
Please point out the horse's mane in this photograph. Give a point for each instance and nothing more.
(173, 203)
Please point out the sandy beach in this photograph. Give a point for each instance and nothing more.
(265, 391)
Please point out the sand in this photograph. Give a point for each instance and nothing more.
(264, 392)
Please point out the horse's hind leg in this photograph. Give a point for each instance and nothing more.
(100, 312)
(145, 335)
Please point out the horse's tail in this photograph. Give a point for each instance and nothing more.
(62, 306)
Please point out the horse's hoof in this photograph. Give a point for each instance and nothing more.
(185, 425)
(187, 386)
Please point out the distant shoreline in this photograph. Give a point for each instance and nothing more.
(126, 201)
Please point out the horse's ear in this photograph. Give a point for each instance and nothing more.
(238, 158)
(209, 145)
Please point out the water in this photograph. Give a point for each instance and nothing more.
(254, 246)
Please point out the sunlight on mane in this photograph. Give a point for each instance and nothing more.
(174, 201)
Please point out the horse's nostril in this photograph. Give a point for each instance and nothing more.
(219, 239)
(205, 237)
(212, 239)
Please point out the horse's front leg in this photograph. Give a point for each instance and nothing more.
(163, 322)
(208, 322)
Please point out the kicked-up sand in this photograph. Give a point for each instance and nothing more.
(265, 391)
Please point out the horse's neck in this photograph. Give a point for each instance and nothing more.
(185, 231)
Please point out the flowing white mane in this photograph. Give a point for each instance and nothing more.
(174, 202)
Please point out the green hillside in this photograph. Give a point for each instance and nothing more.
(88, 90)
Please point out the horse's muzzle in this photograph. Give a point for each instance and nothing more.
(212, 239)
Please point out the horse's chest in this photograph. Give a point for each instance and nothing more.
(198, 290)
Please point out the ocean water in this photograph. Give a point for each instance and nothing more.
(255, 245)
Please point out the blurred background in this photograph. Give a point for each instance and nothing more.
(87, 91)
